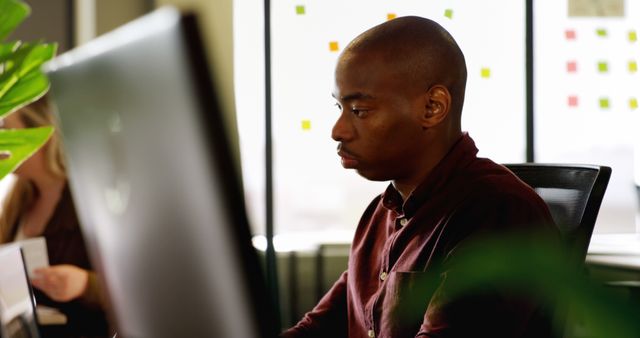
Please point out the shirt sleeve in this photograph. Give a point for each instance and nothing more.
(328, 318)
(492, 312)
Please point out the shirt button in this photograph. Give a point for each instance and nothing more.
(383, 275)
(371, 333)
(404, 221)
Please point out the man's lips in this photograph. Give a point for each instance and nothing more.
(348, 160)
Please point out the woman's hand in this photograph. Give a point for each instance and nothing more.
(61, 283)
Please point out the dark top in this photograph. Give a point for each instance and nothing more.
(396, 243)
(65, 245)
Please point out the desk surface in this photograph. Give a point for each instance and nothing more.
(615, 250)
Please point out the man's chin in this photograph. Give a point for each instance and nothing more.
(371, 176)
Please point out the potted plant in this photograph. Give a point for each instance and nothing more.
(21, 82)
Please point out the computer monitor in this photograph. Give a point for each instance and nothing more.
(17, 305)
(153, 177)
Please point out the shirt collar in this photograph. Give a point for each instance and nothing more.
(461, 154)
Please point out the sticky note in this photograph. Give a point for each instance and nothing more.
(572, 101)
(633, 36)
(572, 66)
(570, 34)
(603, 67)
(306, 125)
(633, 66)
(448, 13)
(485, 73)
(633, 103)
(300, 10)
(333, 46)
(604, 103)
(391, 16)
(601, 32)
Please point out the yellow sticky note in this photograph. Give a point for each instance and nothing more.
(633, 36)
(448, 13)
(333, 46)
(391, 16)
(603, 67)
(601, 32)
(485, 73)
(633, 103)
(300, 10)
(604, 103)
(306, 125)
(633, 66)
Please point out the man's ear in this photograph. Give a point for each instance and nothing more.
(437, 106)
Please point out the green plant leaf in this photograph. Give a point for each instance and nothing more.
(16, 145)
(21, 80)
(12, 13)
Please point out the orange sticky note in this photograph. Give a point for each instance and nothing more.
(633, 66)
(333, 46)
(448, 13)
(570, 34)
(572, 66)
(604, 103)
(633, 103)
(572, 101)
(306, 125)
(485, 73)
(391, 16)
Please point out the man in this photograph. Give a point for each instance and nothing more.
(400, 90)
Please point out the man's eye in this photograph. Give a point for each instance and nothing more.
(359, 112)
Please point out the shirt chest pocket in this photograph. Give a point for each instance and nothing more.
(405, 300)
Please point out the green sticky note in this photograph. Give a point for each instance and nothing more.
(300, 10)
(601, 32)
(485, 73)
(633, 36)
(306, 125)
(603, 67)
(604, 103)
(633, 66)
(448, 13)
(633, 103)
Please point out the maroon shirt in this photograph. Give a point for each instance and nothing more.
(397, 243)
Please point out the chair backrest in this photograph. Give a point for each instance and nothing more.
(573, 193)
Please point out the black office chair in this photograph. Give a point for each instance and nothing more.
(573, 193)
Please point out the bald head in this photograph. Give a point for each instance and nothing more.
(420, 50)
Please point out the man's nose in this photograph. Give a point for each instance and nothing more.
(342, 129)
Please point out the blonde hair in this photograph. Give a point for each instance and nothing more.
(37, 114)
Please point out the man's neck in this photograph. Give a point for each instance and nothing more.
(406, 186)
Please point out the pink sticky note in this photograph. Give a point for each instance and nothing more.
(570, 34)
(572, 66)
(573, 101)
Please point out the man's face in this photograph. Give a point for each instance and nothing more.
(378, 127)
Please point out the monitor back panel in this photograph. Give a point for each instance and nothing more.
(153, 179)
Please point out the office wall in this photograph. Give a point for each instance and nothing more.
(587, 92)
(50, 21)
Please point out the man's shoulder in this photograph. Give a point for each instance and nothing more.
(487, 179)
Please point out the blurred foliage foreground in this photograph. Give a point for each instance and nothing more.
(21, 82)
(529, 265)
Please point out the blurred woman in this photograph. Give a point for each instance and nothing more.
(40, 204)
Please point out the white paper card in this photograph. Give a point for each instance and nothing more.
(35, 253)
